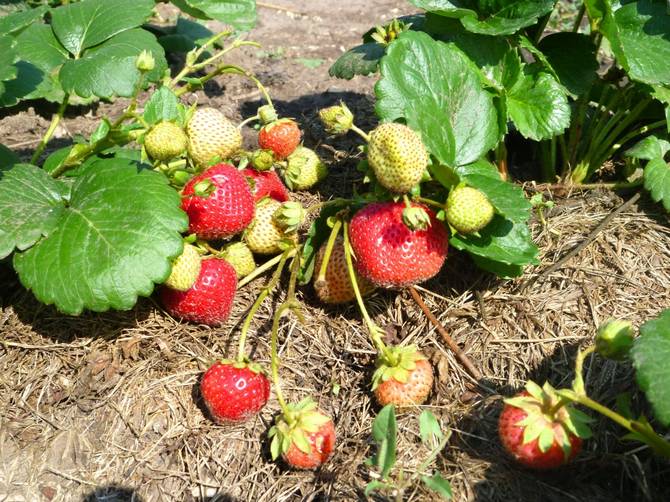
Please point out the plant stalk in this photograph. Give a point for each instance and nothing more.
(55, 120)
(254, 308)
(329, 250)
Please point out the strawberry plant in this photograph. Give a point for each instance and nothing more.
(542, 429)
(474, 77)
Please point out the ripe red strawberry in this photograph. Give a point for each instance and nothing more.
(209, 300)
(304, 436)
(538, 432)
(390, 254)
(281, 136)
(234, 391)
(403, 377)
(227, 206)
(267, 183)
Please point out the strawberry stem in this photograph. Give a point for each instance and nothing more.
(321, 277)
(429, 202)
(264, 268)
(578, 382)
(55, 120)
(254, 308)
(247, 121)
(360, 132)
(373, 329)
(291, 303)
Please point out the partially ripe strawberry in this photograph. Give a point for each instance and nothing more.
(540, 433)
(227, 207)
(185, 269)
(336, 286)
(210, 299)
(397, 156)
(304, 436)
(240, 257)
(468, 210)
(266, 184)
(391, 255)
(304, 169)
(281, 136)
(404, 377)
(165, 141)
(265, 235)
(234, 391)
(211, 135)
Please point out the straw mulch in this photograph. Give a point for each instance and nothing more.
(105, 406)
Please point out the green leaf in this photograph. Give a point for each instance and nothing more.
(109, 69)
(8, 57)
(490, 17)
(187, 35)
(657, 181)
(375, 485)
(639, 34)
(7, 158)
(16, 21)
(38, 45)
(537, 105)
(24, 86)
(429, 428)
(573, 57)
(650, 354)
(112, 242)
(361, 60)
(384, 432)
(439, 485)
(31, 205)
(240, 14)
(502, 270)
(437, 90)
(162, 105)
(508, 199)
(501, 240)
(86, 24)
(649, 148)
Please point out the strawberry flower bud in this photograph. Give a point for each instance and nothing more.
(145, 61)
(614, 339)
(337, 119)
(262, 160)
(267, 114)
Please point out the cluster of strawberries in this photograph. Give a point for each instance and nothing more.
(393, 240)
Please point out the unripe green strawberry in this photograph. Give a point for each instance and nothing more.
(165, 141)
(185, 269)
(304, 169)
(468, 210)
(240, 257)
(337, 119)
(397, 156)
(211, 135)
(265, 235)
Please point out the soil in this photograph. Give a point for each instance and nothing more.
(105, 406)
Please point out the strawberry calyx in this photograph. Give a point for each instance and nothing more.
(396, 362)
(292, 426)
(268, 126)
(549, 418)
(244, 363)
(289, 216)
(337, 119)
